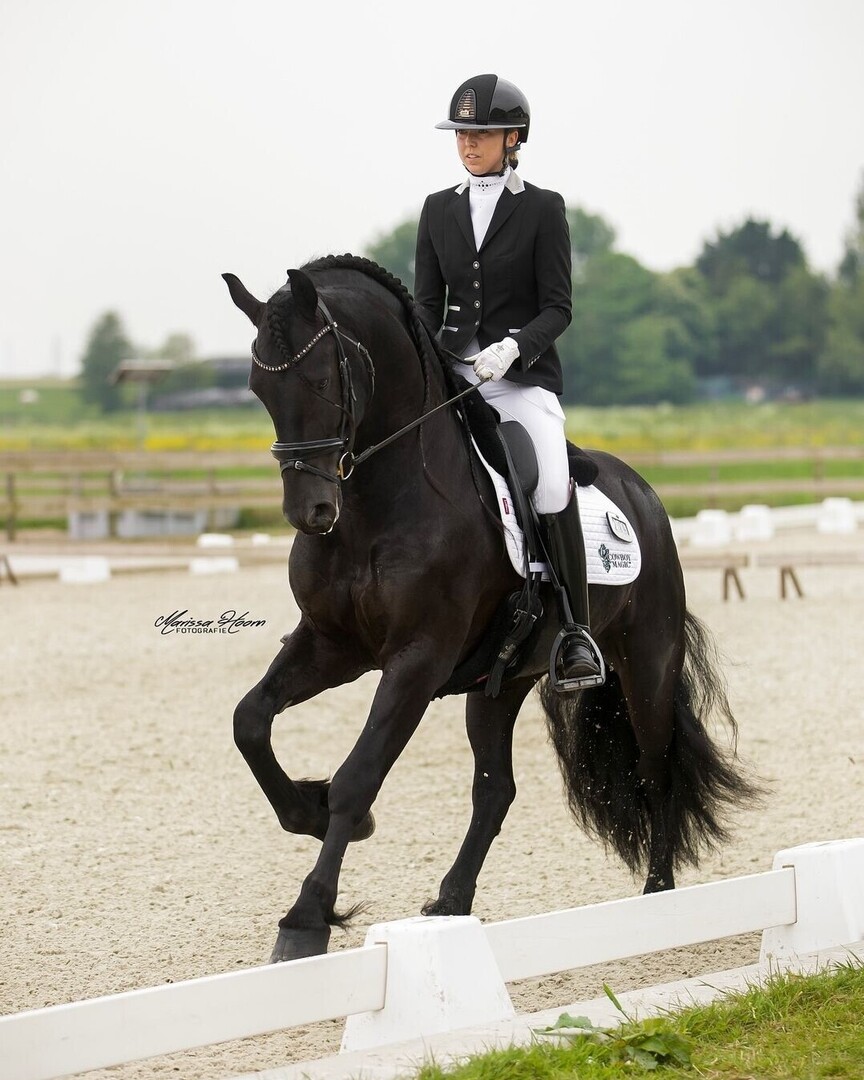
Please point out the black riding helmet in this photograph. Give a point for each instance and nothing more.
(487, 101)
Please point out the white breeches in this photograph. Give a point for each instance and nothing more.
(540, 413)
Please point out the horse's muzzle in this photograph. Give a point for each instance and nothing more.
(312, 518)
(319, 520)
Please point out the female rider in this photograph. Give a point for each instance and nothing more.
(492, 270)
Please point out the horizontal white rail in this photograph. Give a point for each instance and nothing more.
(543, 944)
(67, 1039)
(813, 899)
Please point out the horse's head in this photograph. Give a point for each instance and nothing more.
(302, 374)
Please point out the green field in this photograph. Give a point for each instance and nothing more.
(57, 419)
(48, 415)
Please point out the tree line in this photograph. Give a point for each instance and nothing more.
(749, 316)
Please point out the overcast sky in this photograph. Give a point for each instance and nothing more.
(146, 147)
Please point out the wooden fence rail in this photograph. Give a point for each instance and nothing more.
(43, 485)
(40, 486)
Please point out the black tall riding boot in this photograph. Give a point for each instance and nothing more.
(576, 653)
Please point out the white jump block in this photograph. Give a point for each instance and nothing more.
(211, 540)
(754, 522)
(260, 539)
(837, 516)
(829, 890)
(712, 528)
(441, 975)
(86, 570)
(218, 564)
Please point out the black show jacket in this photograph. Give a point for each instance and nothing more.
(518, 284)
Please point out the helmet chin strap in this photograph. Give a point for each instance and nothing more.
(498, 172)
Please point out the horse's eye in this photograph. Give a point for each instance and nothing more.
(323, 384)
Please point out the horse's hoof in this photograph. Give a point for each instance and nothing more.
(653, 885)
(365, 829)
(295, 944)
(445, 906)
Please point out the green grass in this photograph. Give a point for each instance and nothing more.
(52, 416)
(58, 419)
(718, 426)
(55, 417)
(795, 1028)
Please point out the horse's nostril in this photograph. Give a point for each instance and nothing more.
(319, 518)
(323, 517)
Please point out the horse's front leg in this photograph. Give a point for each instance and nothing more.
(490, 723)
(407, 684)
(307, 664)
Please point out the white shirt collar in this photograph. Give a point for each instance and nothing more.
(514, 183)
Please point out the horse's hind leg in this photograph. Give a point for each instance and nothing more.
(614, 745)
(490, 723)
(306, 665)
(649, 687)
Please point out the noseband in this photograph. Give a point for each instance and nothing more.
(293, 455)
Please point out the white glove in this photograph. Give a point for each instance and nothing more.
(494, 360)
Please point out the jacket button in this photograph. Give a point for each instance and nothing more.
(476, 303)
(476, 265)
(476, 284)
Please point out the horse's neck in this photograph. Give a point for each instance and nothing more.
(407, 386)
(407, 390)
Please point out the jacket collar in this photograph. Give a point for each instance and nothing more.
(503, 209)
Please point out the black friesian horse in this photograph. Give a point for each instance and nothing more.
(399, 566)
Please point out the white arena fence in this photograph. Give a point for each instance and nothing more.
(712, 528)
(424, 976)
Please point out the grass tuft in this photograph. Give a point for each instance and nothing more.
(795, 1027)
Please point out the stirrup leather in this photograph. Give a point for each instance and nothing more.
(564, 685)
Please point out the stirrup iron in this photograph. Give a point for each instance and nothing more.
(563, 685)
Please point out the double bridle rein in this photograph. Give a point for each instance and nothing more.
(292, 455)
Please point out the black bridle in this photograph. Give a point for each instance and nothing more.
(292, 455)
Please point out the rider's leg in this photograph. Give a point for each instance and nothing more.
(539, 412)
(579, 654)
(541, 415)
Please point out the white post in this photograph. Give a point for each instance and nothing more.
(441, 976)
(829, 889)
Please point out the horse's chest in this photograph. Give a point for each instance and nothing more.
(398, 585)
(344, 595)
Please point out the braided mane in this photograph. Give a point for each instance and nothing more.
(423, 339)
(365, 266)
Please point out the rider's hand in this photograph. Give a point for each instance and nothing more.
(494, 360)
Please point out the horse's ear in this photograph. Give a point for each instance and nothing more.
(244, 300)
(305, 294)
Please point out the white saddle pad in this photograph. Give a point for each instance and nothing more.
(612, 550)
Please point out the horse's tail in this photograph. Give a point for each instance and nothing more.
(599, 757)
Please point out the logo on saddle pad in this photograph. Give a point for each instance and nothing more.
(619, 559)
(612, 552)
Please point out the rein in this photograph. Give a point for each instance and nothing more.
(292, 455)
(370, 450)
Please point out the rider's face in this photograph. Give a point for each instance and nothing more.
(482, 150)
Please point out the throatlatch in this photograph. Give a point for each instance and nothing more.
(576, 662)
